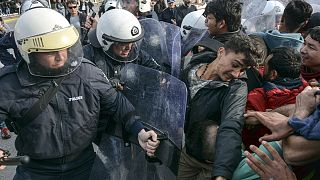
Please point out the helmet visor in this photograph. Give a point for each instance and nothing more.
(124, 52)
(56, 63)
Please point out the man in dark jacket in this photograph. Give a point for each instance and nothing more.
(77, 19)
(118, 48)
(169, 14)
(59, 138)
(183, 10)
(223, 19)
(217, 99)
(7, 42)
(159, 7)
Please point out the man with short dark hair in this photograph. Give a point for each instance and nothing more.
(217, 97)
(77, 18)
(295, 16)
(310, 53)
(169, 14)
(282, 83)
(223, 18)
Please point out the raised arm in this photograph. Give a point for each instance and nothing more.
(299, 151)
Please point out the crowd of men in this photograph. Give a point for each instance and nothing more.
(253, 99)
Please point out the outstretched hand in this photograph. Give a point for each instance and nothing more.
(148, 141)
(276, 122)
(306, 102)
(274, 168)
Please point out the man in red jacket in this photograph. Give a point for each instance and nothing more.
(282, 84)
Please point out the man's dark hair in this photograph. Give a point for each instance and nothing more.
(296, 13)
(228, 10)
(243, 44)
(261, 47)
(71, 2)
(286, 61)
(314, 33)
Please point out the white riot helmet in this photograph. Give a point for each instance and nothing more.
(30, 4)
(112, 4)
(50, 33)
(119, 26)
(195, 20)
(273, 6)
(144, 6)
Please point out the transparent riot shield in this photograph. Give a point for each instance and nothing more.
(173, 39)
(160, 102)
(194, 36)
(260, 23)
(313, 2)
(162, 41)
(252, 8)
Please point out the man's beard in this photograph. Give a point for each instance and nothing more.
(38, 69)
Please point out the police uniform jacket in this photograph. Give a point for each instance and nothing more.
(69, 123)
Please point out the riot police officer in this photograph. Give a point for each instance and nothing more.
(58, 139)
(119, 33)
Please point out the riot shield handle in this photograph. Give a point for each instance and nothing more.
(160, 136)
(167, 153)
